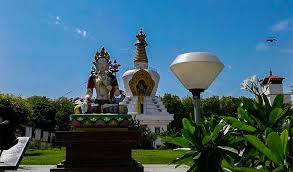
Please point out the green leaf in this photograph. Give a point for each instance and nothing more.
(260, 125)
(226, 165)
(236, 142)
(206, 139)
(275, 114)
(284, 140)
(227, 148)
(266, 101)
(187, 135)
(279, 169)
(248, 104)
(187, 125)
(239, 124)
(268, 130)
(179, 141)
(259, 100)
(216, 131)
(182, 158)
(243, 114)
(262, 148)
(203, 129)
(278, 101)
(275, 144)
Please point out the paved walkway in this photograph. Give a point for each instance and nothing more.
(147, 168)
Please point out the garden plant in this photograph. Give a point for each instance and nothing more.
(258, 139)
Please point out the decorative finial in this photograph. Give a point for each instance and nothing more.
(140, 44)
(141, 37)
(271, 73)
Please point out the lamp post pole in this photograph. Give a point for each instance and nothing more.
(196, 103)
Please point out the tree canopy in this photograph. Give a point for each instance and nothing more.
(37, 112)
(211, 106)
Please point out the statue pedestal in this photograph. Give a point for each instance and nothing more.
(98, 151)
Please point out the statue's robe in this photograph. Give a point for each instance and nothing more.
(92, 84)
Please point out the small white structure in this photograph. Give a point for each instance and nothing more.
(38, 134)
(272, 86)
(28, 131)
(140, 84)
(45, 136)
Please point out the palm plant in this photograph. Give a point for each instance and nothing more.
(207, 143)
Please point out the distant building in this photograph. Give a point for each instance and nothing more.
(272, 86)
(140, 84)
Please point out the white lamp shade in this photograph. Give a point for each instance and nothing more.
(196, 70)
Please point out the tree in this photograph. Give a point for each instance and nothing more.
(15, 109)
(43, 113)
(146, 138)
(174, 106)
(6, 108)
(210, 106)
(187, 103)
(229, 105)
(64, 109)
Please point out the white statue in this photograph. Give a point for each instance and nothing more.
(103, 80)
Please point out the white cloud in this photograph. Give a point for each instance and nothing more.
(84, 33)
(78, 31)
(281, 26)
(70, 28)
(81, 32)
(57, 20)
(261, 46)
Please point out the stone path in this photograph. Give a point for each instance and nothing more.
(147, 168)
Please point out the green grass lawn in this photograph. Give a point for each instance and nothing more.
(54, 156)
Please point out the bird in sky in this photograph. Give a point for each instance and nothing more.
(271, 40)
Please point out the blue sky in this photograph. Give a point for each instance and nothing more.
(47, 47)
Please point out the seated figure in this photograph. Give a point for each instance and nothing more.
(104, 81)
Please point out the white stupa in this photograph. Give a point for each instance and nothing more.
(140, 84)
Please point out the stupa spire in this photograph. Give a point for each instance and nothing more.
(141, 55)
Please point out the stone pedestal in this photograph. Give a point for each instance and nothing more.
(98, 151)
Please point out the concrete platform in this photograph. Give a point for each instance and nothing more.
(148, 168)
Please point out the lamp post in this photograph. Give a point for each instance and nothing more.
(196, 71)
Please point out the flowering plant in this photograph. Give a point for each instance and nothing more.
(251, 84)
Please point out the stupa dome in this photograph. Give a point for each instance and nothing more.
(140, 81)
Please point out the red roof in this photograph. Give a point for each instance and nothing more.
(272, 77)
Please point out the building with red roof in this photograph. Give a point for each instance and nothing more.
(272, 85)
